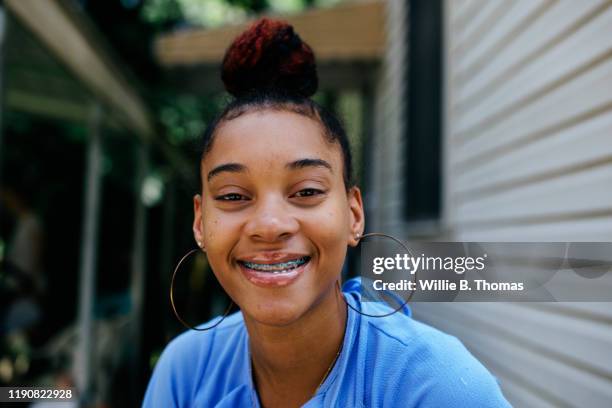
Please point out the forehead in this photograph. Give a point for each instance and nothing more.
(270, 137)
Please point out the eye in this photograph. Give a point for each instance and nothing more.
(308, 192)
(231, 197)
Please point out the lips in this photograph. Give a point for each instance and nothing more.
(265, 273)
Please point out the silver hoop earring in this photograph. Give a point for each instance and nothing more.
(184, 323)
(380, 234)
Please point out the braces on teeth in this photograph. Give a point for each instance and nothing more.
(277, 267)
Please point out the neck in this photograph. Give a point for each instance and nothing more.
(294, 359)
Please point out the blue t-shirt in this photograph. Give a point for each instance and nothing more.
(393, 361)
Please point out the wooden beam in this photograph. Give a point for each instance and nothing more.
(350, 31)
(54, 108)
(339, 76)
(45, 106)
(58, 27)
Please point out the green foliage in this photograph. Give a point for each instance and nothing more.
(254, 5)
(211, 13)
(161, 12)
(184, 117)
(214, 13)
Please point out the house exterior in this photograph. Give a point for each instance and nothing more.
(526, 155)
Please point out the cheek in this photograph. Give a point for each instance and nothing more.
(210, 227)
(215, 222)
(332, 226)
(219, 232)
(218, 241)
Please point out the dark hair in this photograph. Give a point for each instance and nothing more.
(269, 67)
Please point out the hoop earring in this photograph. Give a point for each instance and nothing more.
(187, 325)
(380, 234)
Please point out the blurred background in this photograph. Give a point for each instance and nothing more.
(471, 120)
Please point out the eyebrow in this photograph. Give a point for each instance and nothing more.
(227, 167)
(302, 163)
(294, 165)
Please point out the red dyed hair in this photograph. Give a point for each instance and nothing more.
(269, 56)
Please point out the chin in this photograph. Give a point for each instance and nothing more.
(274, 313)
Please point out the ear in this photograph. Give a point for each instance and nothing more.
(197, 220)
(357, 216)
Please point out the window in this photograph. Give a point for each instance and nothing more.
(423, 113)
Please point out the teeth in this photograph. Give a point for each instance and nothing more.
(277, 267)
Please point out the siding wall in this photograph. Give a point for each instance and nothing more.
(383, 199)
(527, 157)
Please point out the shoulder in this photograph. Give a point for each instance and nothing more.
(437, 367)
(187, 357)
(420, 365)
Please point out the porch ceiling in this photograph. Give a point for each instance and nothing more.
(68, 65)
(66, 34)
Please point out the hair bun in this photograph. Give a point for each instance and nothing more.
(269, 56)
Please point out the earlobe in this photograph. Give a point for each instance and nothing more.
(357, 217)
(354, 241)
(197, 220)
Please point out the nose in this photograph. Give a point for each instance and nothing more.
(271, 221)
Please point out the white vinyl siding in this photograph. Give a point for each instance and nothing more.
(383, 200)
(528, 144)
(527, 157)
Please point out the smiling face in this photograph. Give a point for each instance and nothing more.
(274, 215)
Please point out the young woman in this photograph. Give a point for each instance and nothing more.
(276, 213)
